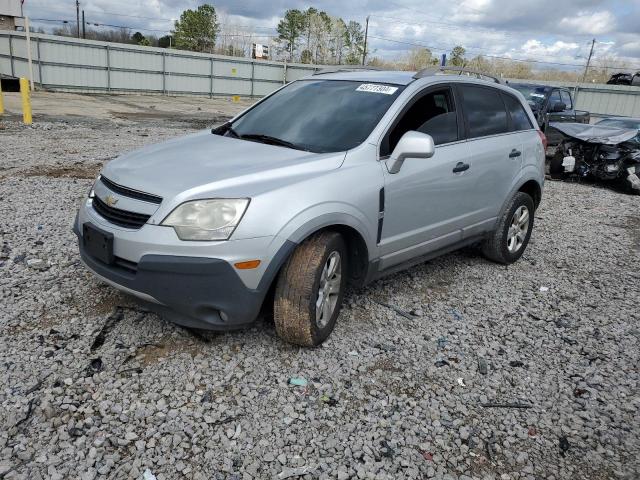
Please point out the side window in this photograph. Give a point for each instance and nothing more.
(484, 110)
(554, 98)
(519, 118)
(566, 99)
(433, 113)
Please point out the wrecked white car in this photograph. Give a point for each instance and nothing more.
(601, 151)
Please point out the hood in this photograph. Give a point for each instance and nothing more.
(205, 159)
(595, 133)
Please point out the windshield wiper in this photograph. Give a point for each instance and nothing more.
(268, 139)
(225, 128)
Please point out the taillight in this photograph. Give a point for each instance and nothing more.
(543, 137)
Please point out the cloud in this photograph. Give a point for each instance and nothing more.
(591, 23)
(547, 30)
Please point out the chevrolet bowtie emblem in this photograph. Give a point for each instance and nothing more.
(110, 200)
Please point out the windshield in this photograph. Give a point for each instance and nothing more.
(317, 115)
(534, 94)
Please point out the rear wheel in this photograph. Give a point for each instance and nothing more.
(509, 240)
(310, 289)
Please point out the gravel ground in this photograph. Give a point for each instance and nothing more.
(456, 369)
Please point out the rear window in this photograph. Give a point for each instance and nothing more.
(484, 110)
(519, 118)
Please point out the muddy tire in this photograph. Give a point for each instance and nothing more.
(556, 170)
(310, 289)
(508, 241)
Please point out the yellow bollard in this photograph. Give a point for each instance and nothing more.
(1, 100)
(26, 101)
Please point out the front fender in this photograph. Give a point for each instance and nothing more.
(327, 214)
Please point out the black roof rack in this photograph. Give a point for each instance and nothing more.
(345, 69)
(429, 71)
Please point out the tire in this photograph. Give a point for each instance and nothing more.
(498, 247)
(301, 288)
(556, 170)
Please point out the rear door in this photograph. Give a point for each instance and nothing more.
(525, 131)
(496, 154)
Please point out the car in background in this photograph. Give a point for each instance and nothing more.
(622, 122)
(607, 151)
(551, 104)
(625, 79)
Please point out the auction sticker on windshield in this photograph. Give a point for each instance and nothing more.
(376, 88)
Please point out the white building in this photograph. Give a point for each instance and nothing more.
(10, 14)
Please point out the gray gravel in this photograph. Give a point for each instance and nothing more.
(456, 369)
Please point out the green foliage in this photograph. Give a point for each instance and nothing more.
(140, 39)
(197, 29)
(166, 41)
(290, 29)
(457, 56)
(313, 36)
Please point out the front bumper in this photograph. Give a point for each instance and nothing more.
(199, 292)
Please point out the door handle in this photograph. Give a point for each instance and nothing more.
(515, 153)
(460, 167)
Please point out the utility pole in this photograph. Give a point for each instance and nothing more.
(78, 16)
(366, 34)
(584, 77)
(84, 32)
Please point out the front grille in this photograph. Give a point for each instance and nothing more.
(129, 192)
(122, 218)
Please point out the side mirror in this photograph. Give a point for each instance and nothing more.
(558, 107)
(411, 145)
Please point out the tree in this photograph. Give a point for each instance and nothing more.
(140, 39)
(290, 29)
(354, 41)
(420, 58)
(457, 56)
(166, 41)
(197, 29)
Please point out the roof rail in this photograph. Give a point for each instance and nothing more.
(426, 72)
(344, 69)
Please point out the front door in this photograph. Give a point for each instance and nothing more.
(425, 203)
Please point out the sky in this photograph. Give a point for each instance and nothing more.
(555, 31)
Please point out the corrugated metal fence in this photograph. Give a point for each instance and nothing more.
(62, 63)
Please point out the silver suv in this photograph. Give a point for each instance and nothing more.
(338, 178)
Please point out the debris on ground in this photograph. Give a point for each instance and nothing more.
(483, 368)
(298, 381)
(295, 472)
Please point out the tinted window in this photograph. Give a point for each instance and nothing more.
(320, 115)
(534, 94)
(484, 110)
(566, 99)
(433, 113)
(519, 118)
(554, 98)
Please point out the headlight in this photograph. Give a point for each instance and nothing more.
(91, 193)
(213, 219)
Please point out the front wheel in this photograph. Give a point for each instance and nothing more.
(508, 241)
(310, 289)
